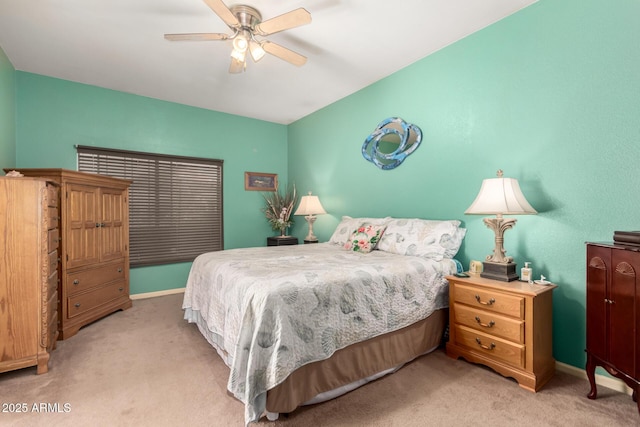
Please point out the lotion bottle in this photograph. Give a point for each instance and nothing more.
(525, 273)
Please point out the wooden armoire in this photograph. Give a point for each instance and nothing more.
(613, 313)
(94, 261)
(28, 272)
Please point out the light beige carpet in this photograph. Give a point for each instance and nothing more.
(148, 367)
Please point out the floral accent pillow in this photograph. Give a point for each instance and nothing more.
(364, 238)
(343, 231)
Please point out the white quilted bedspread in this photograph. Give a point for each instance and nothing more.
(275, 309)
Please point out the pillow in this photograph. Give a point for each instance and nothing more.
(420, 237)
(343, 231)
(364, 238)
(451, 244)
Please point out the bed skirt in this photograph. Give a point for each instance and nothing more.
(356, 362)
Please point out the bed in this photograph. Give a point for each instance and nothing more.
(302, 324)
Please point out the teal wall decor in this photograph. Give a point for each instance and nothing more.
(391, 143)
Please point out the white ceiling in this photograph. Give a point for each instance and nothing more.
(119, 44)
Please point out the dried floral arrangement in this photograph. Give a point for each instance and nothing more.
(279, 208)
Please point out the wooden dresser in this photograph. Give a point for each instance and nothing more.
(613, 316)
(29, 237)
(94, 248)
(504, 325)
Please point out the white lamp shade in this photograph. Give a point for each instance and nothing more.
(309, 205)
(500, 196)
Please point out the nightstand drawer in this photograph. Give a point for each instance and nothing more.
(487, 299)
(491, 346)
(491, 323)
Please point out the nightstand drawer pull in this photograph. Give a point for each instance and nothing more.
(490, 302)
(485, 325)
(486, 347)
(75, 282)
(77, 305)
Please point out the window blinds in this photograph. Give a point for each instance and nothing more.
(175, 203)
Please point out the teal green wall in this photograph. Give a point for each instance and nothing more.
(550, 95)
(7, 111)
(54, 115)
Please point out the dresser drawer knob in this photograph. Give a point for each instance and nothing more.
(76, 282)
(490, 302)
(119, 270)
(486, 347)
(121, 289)
(485, 325)
(77, 305)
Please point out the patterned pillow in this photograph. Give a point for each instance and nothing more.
(364, 238)
(451, 244)
(343, 231)
(424, 238)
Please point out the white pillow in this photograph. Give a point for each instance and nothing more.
(348, 225)
(421, 237)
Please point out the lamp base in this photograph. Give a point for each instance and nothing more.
(505, 272)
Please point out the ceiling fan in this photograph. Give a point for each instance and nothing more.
(246, 23)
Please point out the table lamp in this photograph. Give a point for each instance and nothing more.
(500, 196)
(310, 206)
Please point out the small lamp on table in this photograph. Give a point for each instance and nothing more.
(310, 207)
(500, 196)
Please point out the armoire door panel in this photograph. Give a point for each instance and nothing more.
(83, 225)
(622, 333)
(598, 262)
(114, 212)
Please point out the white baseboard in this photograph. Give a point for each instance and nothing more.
(603, 380)
(157, 293)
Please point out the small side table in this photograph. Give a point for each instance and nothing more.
(282, 240)
(504, 325)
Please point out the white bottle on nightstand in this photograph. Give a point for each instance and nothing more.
(526, 273)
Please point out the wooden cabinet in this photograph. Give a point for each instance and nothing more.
(613, 320)
(29, 236)
(504, 325)
(94, 247)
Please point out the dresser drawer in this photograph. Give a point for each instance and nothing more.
(52, 304)
(493, 347)
(52, 332)
(487, 299)
(52, 195)
(54, 238)
(52, 218)
(87, 279)
(489, 322)
(53, 261)
(52, 282)
(87, 301)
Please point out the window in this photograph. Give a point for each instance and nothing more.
(175, 203)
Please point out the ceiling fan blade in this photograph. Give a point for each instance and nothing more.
(223, 12)
(292, 19)
(196, 36)
(236, 66)
(284, 53)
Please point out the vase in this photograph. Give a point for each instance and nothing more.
(283, 232)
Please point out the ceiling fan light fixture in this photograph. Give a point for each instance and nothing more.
(239, 55)
(245, 22)
(240, 43)
(256, 50)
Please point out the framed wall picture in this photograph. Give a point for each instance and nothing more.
(258, 181)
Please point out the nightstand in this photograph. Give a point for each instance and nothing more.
(282, 240)
(506, 326)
